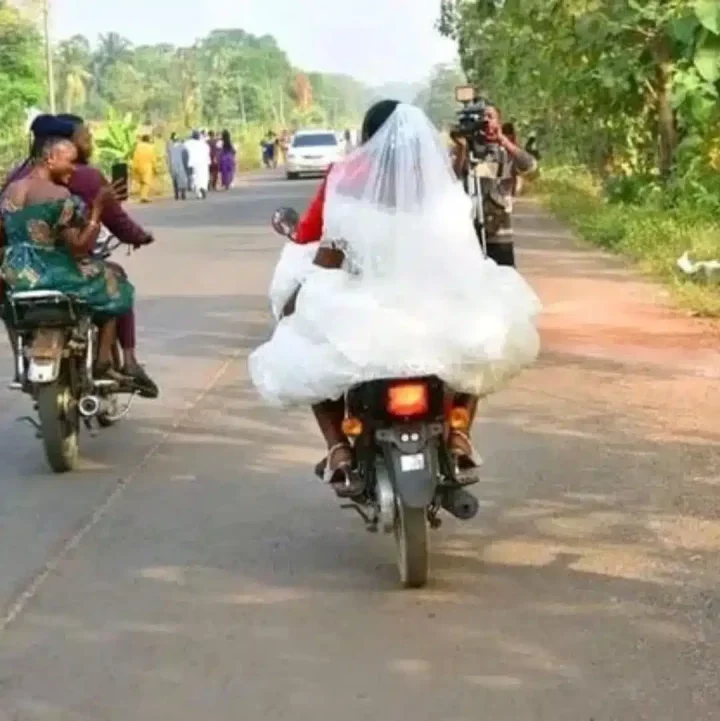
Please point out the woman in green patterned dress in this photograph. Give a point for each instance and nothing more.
(48, 233)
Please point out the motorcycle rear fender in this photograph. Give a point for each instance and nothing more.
(42, 371)
(45, 355)
(411, 455)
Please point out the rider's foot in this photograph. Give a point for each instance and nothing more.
(146, 387)
(463, 452)
(340, 472)
(106, 372)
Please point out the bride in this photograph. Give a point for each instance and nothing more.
(386, 279)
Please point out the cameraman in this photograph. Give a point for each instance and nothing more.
(497, 193)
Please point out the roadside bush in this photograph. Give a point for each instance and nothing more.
(651, 227)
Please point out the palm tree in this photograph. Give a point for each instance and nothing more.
(112, 48)
(73, 62)
(188, 80)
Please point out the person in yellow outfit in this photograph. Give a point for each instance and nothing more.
(144, 162)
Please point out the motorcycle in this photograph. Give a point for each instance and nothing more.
(55, 345)
(399, 431)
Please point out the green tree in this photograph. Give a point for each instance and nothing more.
(22, 83)
(438, 98)
(21, 66)
(618, 82)
(230, 78)
(73, 61)
(155, 66)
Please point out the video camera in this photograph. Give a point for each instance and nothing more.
(471, 124)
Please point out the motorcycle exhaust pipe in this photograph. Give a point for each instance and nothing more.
(89, 406)
(461, 504)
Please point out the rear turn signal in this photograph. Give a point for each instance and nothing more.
(408, 399)
(459, 419)
(352, 427)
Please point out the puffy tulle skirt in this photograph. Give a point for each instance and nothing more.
(473, 326)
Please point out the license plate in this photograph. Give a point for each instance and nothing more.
(411, 463)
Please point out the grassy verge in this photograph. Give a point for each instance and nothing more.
(650, 237)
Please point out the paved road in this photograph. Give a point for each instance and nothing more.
(193, 569)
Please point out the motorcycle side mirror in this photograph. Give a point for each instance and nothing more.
(284, 221)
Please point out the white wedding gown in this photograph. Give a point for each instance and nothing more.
(415, 295)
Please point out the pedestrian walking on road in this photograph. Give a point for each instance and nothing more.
(199, 164)
(214, 146)
(227, 161)
(269, 150)
(143, 164)
(177, 157)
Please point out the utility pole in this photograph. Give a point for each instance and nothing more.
(49, 56)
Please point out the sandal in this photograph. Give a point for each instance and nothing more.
(343, 478)
(463, 452)
(105, 374)
(146, 387)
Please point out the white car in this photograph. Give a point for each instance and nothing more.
(311, 152)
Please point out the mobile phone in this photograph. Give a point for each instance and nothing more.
(119, 174)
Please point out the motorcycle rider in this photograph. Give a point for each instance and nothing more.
(48, 234)
(338, 466)
(87, 182)
(409, 176)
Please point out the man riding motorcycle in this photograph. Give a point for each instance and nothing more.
(401, 180)
(86, 182)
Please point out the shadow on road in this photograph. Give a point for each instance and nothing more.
(573, 583)
(228, 578)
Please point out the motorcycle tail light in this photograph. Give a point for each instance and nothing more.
(407, 399)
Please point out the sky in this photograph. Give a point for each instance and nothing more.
(376, 41)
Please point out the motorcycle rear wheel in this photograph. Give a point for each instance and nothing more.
(411, 539)
(59, 426)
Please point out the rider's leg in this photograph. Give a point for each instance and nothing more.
(339, 463)
(126, 336)
(460, 441)
(12, 338)
(330, 416)
(107, 336)
(131, 367)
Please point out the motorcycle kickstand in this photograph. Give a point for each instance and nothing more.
(371, 524)
(33, 423)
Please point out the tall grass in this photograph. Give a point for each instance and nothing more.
(650, 225)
